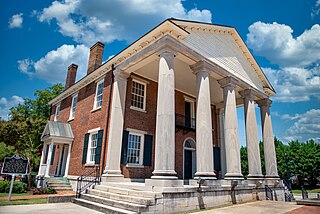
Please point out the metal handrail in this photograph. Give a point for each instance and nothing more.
(304, 193)
(88, 179)
(269, 193)
(185, 121)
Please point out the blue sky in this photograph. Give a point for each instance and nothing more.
(40, 38)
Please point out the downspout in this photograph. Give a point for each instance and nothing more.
(107, 123)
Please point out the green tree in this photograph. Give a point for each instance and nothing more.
(5, 151)
(27, 121)
(244, 161)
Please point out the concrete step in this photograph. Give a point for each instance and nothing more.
(62, 188)
(129, 192)
(114, 203)
(118, 197)
(100, 207)
(60, 185)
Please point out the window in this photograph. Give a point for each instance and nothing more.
(93, 142)
(56, 114)
(73, 106)
(99, 92)
(135, 148)
(138, 95)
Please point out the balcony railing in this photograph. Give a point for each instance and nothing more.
(185, 122)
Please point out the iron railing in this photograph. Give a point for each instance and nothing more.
(269, 193)
(288, 191)
(304, 193)
(89, 178)
(185, 122)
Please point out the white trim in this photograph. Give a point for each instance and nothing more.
(141, 153)
(95, 107)
(71, 117)
(192, 102)
(136, 131)
(94, 130)
(144, 94)
(56, 113)
(139, 79)
(131, 165)
(193, 154)
(88, 162)
(137, 109)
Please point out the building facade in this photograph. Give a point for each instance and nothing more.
(163, 110)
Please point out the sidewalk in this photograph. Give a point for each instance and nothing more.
(264, 207)
(13, 198)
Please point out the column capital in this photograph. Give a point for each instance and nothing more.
(120, 74)
(248, 93)
(264, 102)
(228, 81)
(201, 66)
(167, 50)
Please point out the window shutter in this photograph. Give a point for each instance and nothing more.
(98, 149)
(85, 148)
(147, 152)
(216, 158)
(124, 149)
(52, 155)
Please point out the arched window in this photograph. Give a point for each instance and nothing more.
(189, 144)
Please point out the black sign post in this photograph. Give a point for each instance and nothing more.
(16, 165)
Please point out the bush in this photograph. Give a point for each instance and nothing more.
(4, 186)
(18, 187)
(39, 191)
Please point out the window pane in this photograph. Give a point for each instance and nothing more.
(137, 95)
(134, 149)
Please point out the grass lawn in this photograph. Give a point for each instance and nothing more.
(298, 191)
(13, 194)
(24, 201)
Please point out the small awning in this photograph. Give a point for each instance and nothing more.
(57, 129)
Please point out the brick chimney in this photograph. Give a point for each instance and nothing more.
(71, 76)
(95, 57)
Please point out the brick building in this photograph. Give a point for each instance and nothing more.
(163, 110)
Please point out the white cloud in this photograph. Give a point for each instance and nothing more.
(315, 11)
(276, 43)
(99, 20)
(307, 124)
(16, 21)
(53, 66)
(294, 84)
(6, 104)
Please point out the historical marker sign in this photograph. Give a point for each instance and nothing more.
(15, 165)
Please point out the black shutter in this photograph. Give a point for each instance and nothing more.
(216, 158)
(52, 155)
(85, 148)
(147, 152)
(98, 149)
(124, 149)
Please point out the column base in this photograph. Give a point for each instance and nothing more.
(205, 175)
(255, 177)
(164, 174)
(156, 181)
(112, 176)
(233, 176)
(271, 177)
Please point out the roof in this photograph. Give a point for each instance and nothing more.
(224, 47)
(57, 129)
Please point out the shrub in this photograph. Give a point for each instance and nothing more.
(49, 191)
(4, 186)
(18, 187)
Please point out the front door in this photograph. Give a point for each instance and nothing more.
(188, 164)
(63, 160)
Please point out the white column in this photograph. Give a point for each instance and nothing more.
(41, 160)
(203, 123)
(222, 142)
(252, 140)
(231, 129)
(112, 169)
(49, 156)
(67, 163)
(165, 123)
(268, 139)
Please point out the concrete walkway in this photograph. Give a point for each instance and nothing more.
(258, 207)
(58, 208)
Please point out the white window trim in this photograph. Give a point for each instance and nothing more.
(141, 134)
(96, 95)
(144, 95)
(192, 101)
(56, 113)
(71, 107)
(93, 131)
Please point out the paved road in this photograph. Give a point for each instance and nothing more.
(259, 207)
(58, 208)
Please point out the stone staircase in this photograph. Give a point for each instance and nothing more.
(59, 184)
(108, 198)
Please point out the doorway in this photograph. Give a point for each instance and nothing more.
(62, 160)
(189, 166)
